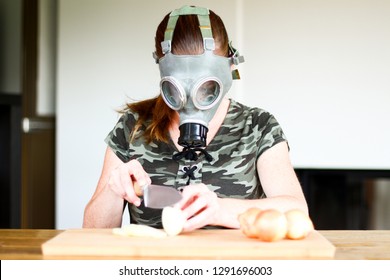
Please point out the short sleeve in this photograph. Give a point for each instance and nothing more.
(118, 138)
(271, 133)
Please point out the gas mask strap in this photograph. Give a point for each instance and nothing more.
(168, 35)
(204, 25)
(236, 59)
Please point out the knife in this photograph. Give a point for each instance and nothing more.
(157, 196)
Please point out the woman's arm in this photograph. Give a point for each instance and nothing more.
(115, 185)
(280, 184)
(279, 181)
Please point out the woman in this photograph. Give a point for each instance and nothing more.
(228, 157)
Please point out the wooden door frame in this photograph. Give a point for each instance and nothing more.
(38, 148)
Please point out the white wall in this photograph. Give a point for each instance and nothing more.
(320, 66)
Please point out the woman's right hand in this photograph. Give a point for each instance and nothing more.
(116, 184)
(125, 178)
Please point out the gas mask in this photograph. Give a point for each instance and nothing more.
(194, 85)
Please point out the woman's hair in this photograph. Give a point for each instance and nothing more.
(187, 39)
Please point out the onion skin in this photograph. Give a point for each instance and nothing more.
(299, 224)
(247, 220)
(271, 225)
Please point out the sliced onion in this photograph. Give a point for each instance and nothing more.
(139, 231)
(173, 220)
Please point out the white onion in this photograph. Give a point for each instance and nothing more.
(139, 231)
(173, 220)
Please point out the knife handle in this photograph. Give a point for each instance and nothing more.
(139, 190)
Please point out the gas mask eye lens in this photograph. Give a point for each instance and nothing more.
(206, 94)
(172, 93)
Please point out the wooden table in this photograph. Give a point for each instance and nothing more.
(350, 244)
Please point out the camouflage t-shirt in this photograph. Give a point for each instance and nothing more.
(244, 135)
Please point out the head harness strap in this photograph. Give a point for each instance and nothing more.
(205, 29)
(204, 25)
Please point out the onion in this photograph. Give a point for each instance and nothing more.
(299, 224)
(173, 220)
(247, 220)
(139, 231)
(271, 225)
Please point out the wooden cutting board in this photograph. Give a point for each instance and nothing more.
(200, 244)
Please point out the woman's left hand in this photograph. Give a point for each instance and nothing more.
(200, 205)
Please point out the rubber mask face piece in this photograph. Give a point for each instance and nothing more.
(194, 85)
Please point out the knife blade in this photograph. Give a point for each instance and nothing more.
(158, 196)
